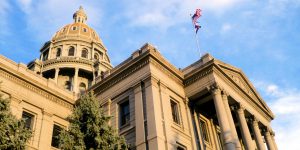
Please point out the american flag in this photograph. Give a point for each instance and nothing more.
(195, 17)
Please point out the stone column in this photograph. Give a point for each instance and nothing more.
(244, 128)
(139, 119)
(268, 139)
(222, 118)
(75, 84)
(258, 138)
(56, 75)
(231, 121)
(273, 140)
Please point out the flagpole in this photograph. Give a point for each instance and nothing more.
(197, 42)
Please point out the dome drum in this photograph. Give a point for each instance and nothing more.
(74, 56)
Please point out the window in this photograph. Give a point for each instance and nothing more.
(58, 52)
(71, 51)
(82, 88)
(180, 146)
(28, 118)
(124, 113)
(204, 131)
(96, 56)
(55, 135)
(175, 113)
(84, 30)
(73, 28)
(84, 53)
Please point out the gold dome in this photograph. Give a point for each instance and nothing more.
(78, 30)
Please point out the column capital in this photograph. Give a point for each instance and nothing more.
(215, 88)
(76, 69)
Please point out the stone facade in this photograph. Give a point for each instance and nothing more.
(208, 105)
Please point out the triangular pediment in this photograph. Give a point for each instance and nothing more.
(238, 78)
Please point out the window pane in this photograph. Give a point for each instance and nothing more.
(71, 51)
(124, 113)
(55, 136)
(204, 131)
(28, 118)
(175, 114)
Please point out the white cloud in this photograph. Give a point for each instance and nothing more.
(285, 104)
(164, 14)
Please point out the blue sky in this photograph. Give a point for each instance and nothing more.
(262, 37)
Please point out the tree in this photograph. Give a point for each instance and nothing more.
(13, 133)
(89, 128)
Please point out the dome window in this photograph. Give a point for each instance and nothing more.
(96, 56)
(84, 30)
(58, 52)
(71, 51)
(84, 53)
(73, 28)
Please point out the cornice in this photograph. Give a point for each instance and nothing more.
(67, 59)
(198, 74)
(132, 65)
(39, 89)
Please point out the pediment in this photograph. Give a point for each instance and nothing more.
(238, 78)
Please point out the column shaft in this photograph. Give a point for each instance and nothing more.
(244, 129)
(231, 122)
(223, 120)
(56, 75)
(75, 84)
(269, 140)
(258, 138)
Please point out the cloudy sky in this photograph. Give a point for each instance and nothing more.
(262, 37)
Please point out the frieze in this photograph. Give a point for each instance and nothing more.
(197, 76)
(60, 60)
(36, 89)
(121, 76)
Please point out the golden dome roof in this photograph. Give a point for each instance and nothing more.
(78, 30)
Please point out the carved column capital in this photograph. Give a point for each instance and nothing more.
(215, 89)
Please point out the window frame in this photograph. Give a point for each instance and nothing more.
(52, 137)
(69, 51)
(32, 117)
(175, 115)
(84, 53)
(123, 114)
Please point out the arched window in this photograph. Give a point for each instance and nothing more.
(58, 52)
(96, 56)
(68, 85)
(84, 53)
(71, 51)
(82, 88)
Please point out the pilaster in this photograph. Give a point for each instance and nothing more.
(139, 118)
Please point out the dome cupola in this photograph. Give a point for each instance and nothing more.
(80, 16)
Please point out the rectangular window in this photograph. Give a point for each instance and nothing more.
(55, 135)
(175, 112)
(28, 118)
(124, 113)
(180, 146)
(204, 131)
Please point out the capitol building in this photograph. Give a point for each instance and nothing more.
(209, 105)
